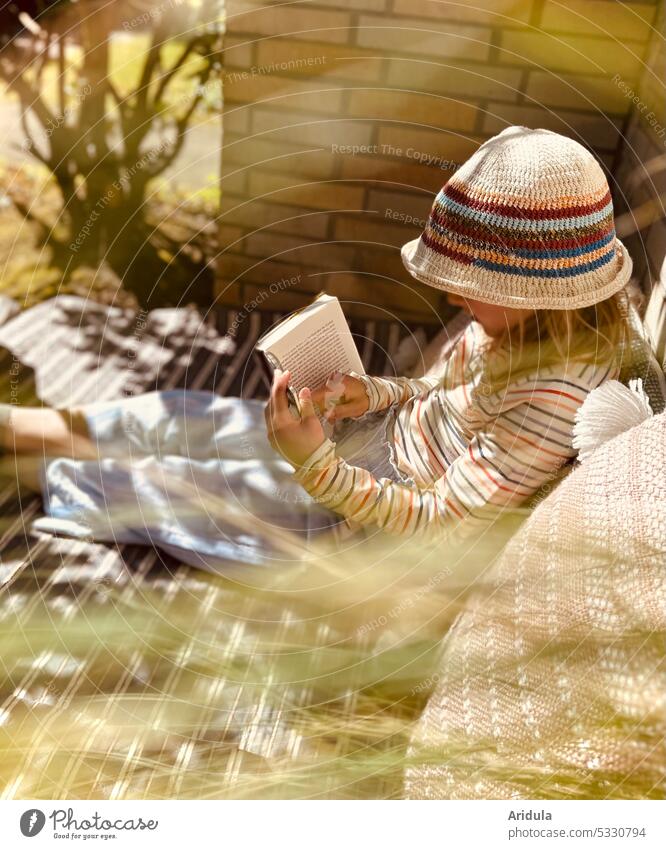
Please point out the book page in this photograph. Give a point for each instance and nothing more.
(317, 342)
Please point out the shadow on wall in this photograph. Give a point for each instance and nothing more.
(110, 167)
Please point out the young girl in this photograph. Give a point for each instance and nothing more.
(521, 237)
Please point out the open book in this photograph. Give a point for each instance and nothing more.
(312, 343)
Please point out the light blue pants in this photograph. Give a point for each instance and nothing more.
(194, 474)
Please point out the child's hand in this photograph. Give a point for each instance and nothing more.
(294, 438)
(342, 397)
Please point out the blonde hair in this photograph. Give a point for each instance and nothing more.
(599, 334)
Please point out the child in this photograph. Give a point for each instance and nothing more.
(522, 237)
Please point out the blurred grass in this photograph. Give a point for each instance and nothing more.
(271, 685)
(300, 679)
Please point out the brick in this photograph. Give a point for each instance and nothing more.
(361, 297)
(299, 130)
(230, 236)
(382, 263)
(416, 206)
(309, 283)
(371, 229)
(282, 301)
(236, 119)
(358, 295)
(282, 92)
(237, 268)
(426, 109)
(491, 12)
(282, 151)
(226, 294)
(398, 298)
(237, 8)
(360, 300)
(411, 142)
(599, 17)
(466, 81)
(273, 216)
(273, 245)
(282, 158)
(597, 131)
(578, 92)
(355, 5)
(299, 250)
(407, 35)
(394, 169)
(236, 182)
(313, 195)
(294, 22)
(337, 61)
(376, 313)
(575, 54)
(376, 296)
(419, 298)
(237, 52)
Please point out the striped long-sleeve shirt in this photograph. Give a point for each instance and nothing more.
(470, 451)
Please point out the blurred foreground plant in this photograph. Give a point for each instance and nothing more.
(293, 681)
(305, 678)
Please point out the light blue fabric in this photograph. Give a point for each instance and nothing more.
(194, 474)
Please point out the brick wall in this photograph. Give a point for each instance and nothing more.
(640, 175)
(343, 118)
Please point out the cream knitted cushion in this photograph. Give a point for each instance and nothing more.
(553, 683)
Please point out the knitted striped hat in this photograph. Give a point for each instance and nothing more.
(526, 222)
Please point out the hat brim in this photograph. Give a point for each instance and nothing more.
(504, 290)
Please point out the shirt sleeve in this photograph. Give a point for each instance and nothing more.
(384, 391)
(511, 458)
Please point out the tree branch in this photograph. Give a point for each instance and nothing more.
(152, 61)
(120, 101)
(31, 99)
(162, 163)
(61, 75)
(173, 70)
(39, 62)
(32, 145)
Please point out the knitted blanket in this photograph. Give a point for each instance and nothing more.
(553, 683)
